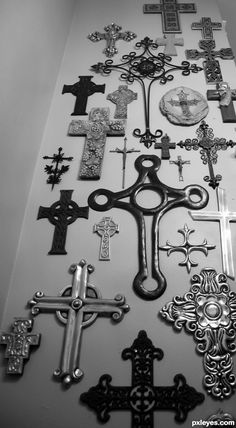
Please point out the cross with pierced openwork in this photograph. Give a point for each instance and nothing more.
(106, 228)
(180, 162)
(111, 35)
(77, 307)
(165, 146)
(206, 26)
(56, 172)
(169, 41)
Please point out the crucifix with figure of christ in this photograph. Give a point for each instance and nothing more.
(225, 95)
(180, 162)
(124, 153)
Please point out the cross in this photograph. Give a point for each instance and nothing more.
(208, 312)
(179, 162)
(184, 103)
(77, 307)
(106, 228)
(187, 248)
(224, 217)
(225, 95)
(165, 146)
(96, 129)
(122, 97)
(169, 41)
(142, 398)
(61, 214)
(111, 35)
(206, 26)
(82, 90)
(169, 10)
(124, 153)
(55, 173)
(211, 66)
(18, 344)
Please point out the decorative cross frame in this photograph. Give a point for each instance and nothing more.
(106, 228)
(187, 248)
(124, 152)
(142, 398)
(56, 172)
(18, 344)
(206, 26)
(211, 66)
(169, 41)
(225, 95)
(122, 97)
(111, 35)
(208, 311)
(77, 307)
(180, 162)
(169, 10)
(170, 198)
(208, 146)
(146, 66)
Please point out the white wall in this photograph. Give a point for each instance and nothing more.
(228, 13)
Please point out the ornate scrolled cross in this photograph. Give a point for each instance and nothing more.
(208, 311)
(170, 198)
(111, 35)
(77, 307)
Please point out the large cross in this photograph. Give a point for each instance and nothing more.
(106, 228)
(225, 95)
(180, 162)
(18, 344)
(169, 10)
(124, 152)
(206, 26)
(77, 307)
(224, 217)
(56, 172)
(122, 97)
(165, 146)
(61, 214)
(184, 103)
(111, 35)
(142, 398)
(211, 66)
(96, 130)
(82, 90)
(169, 41)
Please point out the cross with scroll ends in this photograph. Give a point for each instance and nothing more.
(111, 35)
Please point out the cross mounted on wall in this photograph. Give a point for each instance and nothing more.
(56, 172)
(169, 41)
(225, 95)
(124, 152)
(206, 26)
(106, 228)
(122, 97)
(165, 145)
(111, 35)
(180, 162)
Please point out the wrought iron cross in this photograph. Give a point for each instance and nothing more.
(142, 398)
(169, 41)
(169, 10)
(211, 66)
(208, 312)
(96, 130)
(106, 228)
(224, 217)
(111, 35)
(180, 162)
(77, 307)
(124, 153)
(165, 146)
(83, 89)
(61, 214)
(18, 344)
(56, 172)
(122, 97)
(206, 26)
(208, 146)
(225, 95)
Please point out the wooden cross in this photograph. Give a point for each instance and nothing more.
(122, 97)
(184, 103)
(165, 147)
(111, 35)
(211, 66)
(169, 41)
(225, 96)
(124, 153)
(142, 398)
(18, 344)
(179, 162)
(169, 10)
(96, 129)
(82, 90)
(77, 307)
(224, 217)
(206, 26)
(106, 228)
(61, 214)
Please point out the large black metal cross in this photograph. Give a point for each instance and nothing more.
(111, 35)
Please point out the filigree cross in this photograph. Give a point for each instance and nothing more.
(225, 95)
(111, 35)
(56, 172)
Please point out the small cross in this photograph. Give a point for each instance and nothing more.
(142, 398)
(124, 153)
(106, 228)
(169, 41)
(122, 97)
(55, 173)
(179, 162)
(111, 35)
(96, 129)
(224, 217)
(61, 214)
(77, 307)
(169, 10)
(206, 26)
(165, 146)
(225, 95)
(18, 344)
(82, 90)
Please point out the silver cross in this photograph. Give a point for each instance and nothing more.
(106, 228)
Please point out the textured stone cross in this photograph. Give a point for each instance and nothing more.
(206, 26)
(225, 95)
(184, 103)
(122, 97)
(169, 41)
(111, 35)
(106, 228)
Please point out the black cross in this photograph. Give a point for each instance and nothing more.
(61, 214)
(56, 172)
(82, 90)
(206, 26)
(165, 147)
(225, 96)
(142, 398)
